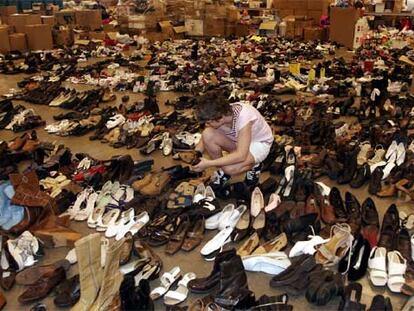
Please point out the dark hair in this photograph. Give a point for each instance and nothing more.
(212, 106)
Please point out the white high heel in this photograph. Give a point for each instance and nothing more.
(123, 219)
(107, 219)
(133, 226)
(83, 214)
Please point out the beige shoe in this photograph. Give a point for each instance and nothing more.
(275, 245)
(157, 184)
(88, 253)
(249, 245)
(141, 183)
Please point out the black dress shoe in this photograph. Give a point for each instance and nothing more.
(357, 264)
(375, 181)
(68, 292)
(301, 223)
(361, 176)
(354, 212)
(336, 201)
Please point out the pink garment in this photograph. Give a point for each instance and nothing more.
(242, 115)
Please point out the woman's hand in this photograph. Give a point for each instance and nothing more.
(202, 165)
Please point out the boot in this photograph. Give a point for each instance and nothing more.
(88, 253)
(233, 283)
(112, 277)
(349, 168)
(207, 284)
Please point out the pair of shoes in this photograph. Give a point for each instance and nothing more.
(397, 266)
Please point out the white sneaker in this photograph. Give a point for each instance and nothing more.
(213, 221)
(71, 256)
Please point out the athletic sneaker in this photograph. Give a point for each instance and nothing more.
(252, 176)
(219, 180)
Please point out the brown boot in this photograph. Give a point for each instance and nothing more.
(88, 253)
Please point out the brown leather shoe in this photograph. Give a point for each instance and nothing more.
(388, 191)
(157, 184)
(33, 274)
(31, 215)
(327, 211)
(404, 244)
(138, 184)
(18, 142)
(30, 178)
(2, 300)
(43, 286)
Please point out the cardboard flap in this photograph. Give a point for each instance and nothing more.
(164, 24)
(179, 29)
(271, 25)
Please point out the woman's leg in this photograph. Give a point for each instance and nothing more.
(215, 142)
(241, 167)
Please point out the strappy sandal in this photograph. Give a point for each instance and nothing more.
(340, 242)
(194, 236)
(162, 234)
(177, 239)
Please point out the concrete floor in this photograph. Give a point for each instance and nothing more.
(258, 282)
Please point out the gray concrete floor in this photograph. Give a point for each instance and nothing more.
(258, 282)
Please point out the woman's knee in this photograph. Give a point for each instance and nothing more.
(209, 135)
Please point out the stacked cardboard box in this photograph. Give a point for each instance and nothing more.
(313, 9)
(4, 39)
(18, 42)
(6, 11)
(39, 37)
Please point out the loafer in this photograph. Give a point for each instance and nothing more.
(43, 286)
(68, 293)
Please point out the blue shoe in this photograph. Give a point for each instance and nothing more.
(5, 213)
(13, 214)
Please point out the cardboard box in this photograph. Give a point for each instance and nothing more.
(194, 27)
(319, 5)
(280, 4)
(17, 22)
(214, 27)
(97, 35)
(242, 30)
(39, 37)
(33, 19)
(63, 37)
(315, 15)
(18, 42)
(108, 28)
(89, 19)
(342, 27)
(6, 11)
(301, 12)
(65, 17)
(296, 4)
(230, 29)
(4, 39)
(312, 33)
(254, 4)
(233, 14)
(284, 13)
(50, 20)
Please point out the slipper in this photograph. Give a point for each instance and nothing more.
(167, 280)
(177, 296)
(397, 265)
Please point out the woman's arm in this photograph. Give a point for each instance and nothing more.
(200, 146)
(241, 153)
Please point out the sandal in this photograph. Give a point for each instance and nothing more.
(177, 296)
(397, 265)
(177, 239)
(335, 249)
(168, 279)
(194, 236)
(377, 266)
(161, 235)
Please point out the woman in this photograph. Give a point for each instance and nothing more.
(239, 130)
